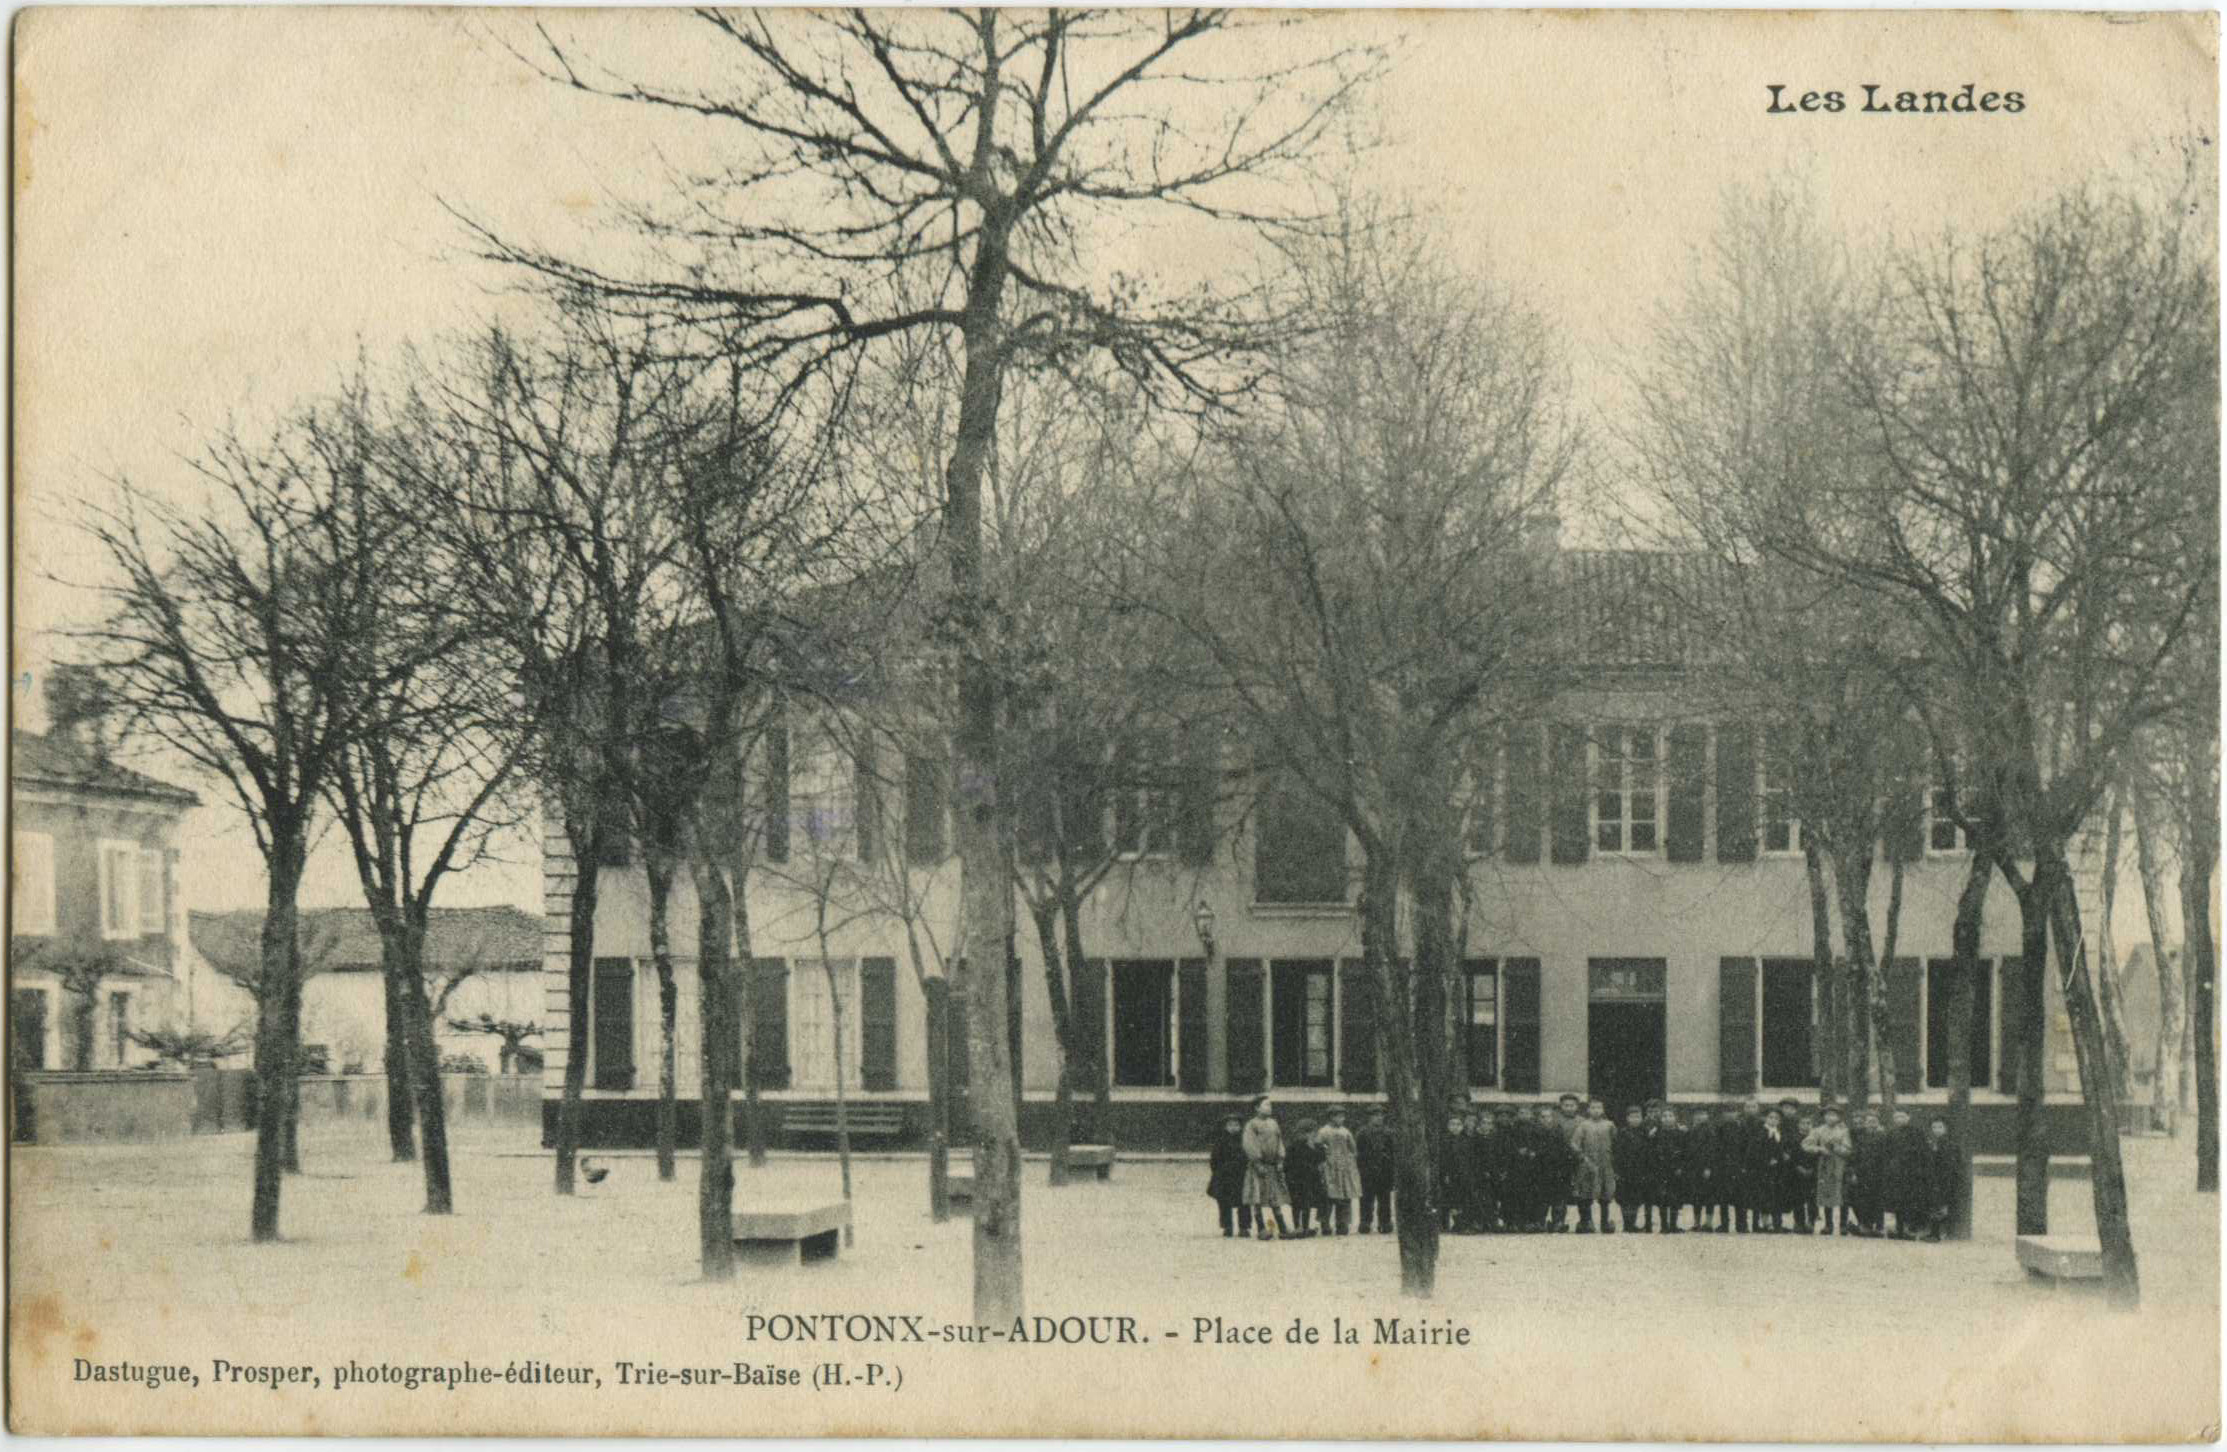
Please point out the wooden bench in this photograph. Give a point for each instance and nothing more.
(2061, 1167)
(877, 1120)
(1099, 1157)
(791, 1234)
(2060, 1258)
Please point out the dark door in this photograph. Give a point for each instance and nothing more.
(28, 1032)
(1624, 1054)
(1142, 1000)
(1302, 1032)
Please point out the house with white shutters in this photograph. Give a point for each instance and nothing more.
(1639, 927)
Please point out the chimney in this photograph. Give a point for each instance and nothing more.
(79, 707)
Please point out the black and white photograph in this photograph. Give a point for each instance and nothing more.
(1254, 724)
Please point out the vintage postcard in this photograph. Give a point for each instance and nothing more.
(1262, 724)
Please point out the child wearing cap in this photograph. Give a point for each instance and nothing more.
(1225, 1178)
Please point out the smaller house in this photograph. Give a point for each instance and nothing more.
(483, 961)
(94, 945)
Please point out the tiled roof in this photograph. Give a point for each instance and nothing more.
(1625, 608)
(497, 939)
(61, 763)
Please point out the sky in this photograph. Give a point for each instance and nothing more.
(216, 209)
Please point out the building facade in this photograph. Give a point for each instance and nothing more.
(94, 923)
(1639, 926)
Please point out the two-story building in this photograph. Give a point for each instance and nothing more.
(95, 927)
(1639, 926)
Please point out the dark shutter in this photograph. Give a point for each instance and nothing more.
(613, 1044)
(1190, 1017)
(1902, 825)
(1689, 787)
(777, 794)
(923, 810)
(769, 1040)
(877, 1023)
(1522, 846)
(1789, 1048)
(1566, 748)
(1519, 1011)
(1247, 1070)
(1905, 986)
(1735, 794)
(866, 801)
(1484, 756)
(1084, 775)
(958, 1062)
(1086, 1008)
(617, 847)
(1356, 1027)
(1736, 1025)
(1195, 795)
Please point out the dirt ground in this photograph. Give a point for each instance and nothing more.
(126, 1257)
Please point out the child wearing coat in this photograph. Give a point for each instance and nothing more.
(1265, 1189)
(1633, 1158)
(1374, 1147)
(1341, 1170)
(1832, 1146)
(1594, 1140)
(1310, 1208)
(1225, 1178)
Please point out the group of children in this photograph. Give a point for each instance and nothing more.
(1750, 1168)
(1747, 1168)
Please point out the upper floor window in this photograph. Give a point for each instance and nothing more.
(1299, 849)
(1627, 799)
(1481, 778)
(154, 902)
(119, 889)
(1144, 796)
(32, 890)
(1943, 831)
(1781, 829)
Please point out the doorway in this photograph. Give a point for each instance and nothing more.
(1625, 1053)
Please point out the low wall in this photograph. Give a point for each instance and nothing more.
(113, 1106)
(226, 1099)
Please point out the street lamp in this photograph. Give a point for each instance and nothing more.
(1202, 918)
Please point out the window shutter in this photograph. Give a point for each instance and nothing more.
(1356, 1027)
(613, 1044)
(1082, 774)
(1195, 801)
(1190, 1023)
(1086, 1009)
(1520, 1015)
(1689, 751)
(1522, 846)
(33, 902)
(1566, 746)
(769, 1040)
(1735, 794)
(1736, 1025)
(866, 801)
(154, 903)
(924, 845)
(777, 794)
(877, 1023)
(1484, 758)
(958, 1063)
(1248, 1072)
(1905, 984)
(1903, 813)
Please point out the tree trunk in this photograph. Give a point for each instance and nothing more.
(402, 1140)
(1095, 1066)
(2201, 955)
(1432, 864)
(1044, 914)
(737, 915)
(2121, 1280)
(660, 866)
(1833, 1057)
(1964, 941)
(715, 1183)
(2106, 960)
(279, 1024)
(290, 1151)
(586, 841)
(1852, 876)
(1413, 1182)
(842, 1094)
(935, 992)
(2029, 1018)
(2172, 1005)
(425, 1065)
(81, 1030)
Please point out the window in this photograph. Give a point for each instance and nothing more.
(1782, 831)
(1789, 1023)
(823, 800)
(1480, 1018)
(1144, 1024)
(32, 889)
(1943, 832)
(815, 996)
(1144, 796)
(1303, 1040)
(154, 903)
(119, 889)
(1483, 781)
(119, 1025)
(1299, 854)
(1939, 978)
(1627, 799)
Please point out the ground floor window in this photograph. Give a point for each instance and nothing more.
(1303, 1043)
(1789, 1023)
(1480, 1020)
(1939, 979)
(27, 1033)
(1144, 1025)
(819, 1000)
